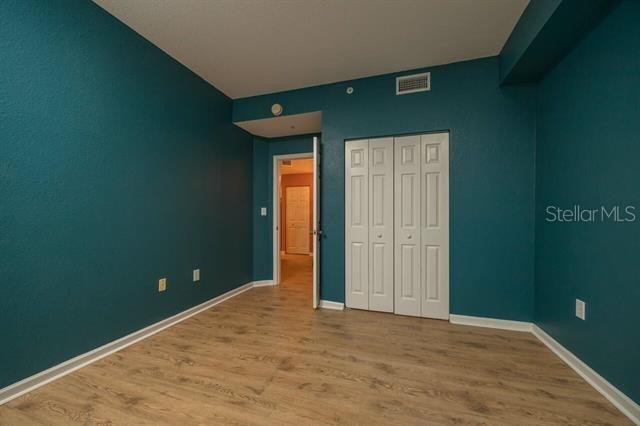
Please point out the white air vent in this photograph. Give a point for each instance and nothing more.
(413, 83)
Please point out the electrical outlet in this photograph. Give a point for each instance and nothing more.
(162, 284)
(581, 309)
(263, 211)
(196, 275)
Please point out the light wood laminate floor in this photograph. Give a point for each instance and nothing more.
(265, 357)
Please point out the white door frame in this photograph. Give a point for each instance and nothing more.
(276, 208)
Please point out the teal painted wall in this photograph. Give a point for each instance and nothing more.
(118, 166)
(546, 33)
(492, 173)
(587, 154)
(533, 19)
(263, 151)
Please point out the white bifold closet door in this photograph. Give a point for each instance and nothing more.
(434, 225)
(381, 224)
(357, 224)
(407, 225)
(421, 181)
(397, 225)
(369, 224)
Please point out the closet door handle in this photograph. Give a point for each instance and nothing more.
(379, 235)
(409, 237)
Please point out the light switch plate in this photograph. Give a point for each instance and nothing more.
(263, 211)
(196, 275)
(581, 309)
(162, 284)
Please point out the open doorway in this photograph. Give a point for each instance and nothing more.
(296, 221)
(295, 188)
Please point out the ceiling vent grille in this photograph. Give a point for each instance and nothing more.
(413, 83)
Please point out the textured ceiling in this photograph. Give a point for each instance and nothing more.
(252, 47)
(285, 125)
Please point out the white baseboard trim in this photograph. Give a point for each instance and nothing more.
(491, 323)
(328, 304)
(263, 283)
(622, 402)
(40, 379)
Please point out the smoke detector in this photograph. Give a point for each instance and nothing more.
(276, 109)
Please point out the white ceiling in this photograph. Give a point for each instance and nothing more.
(285, 125)
(252, 47)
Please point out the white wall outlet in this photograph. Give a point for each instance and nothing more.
(162, 284)
(263, 211)
(196, 275)
(581, 309)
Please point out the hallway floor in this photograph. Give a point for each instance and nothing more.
(296, 269)
(266, 357)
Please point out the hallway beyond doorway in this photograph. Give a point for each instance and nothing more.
(297, 269)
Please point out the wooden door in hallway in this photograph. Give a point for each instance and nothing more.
(297, 216)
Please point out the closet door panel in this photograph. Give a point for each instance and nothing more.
(407, 205)
(435, 225)
(381, 224)
(357, 224)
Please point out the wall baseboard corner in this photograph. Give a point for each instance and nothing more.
(621, 401)
(491, 323)
(328, 304)
(263, 283)
(57, 371)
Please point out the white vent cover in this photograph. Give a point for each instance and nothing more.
(413, 83)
